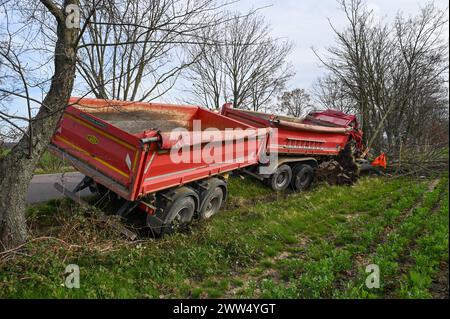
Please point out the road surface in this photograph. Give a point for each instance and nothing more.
(41, 187)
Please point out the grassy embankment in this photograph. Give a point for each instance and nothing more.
(310, 245)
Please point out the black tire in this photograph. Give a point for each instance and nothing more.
(303, 176)
(281, 179)
(173, 214)
(180, 214)
(211, 203)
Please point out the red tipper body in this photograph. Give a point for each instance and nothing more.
(331, 117)
(126, 146)
(320, 133)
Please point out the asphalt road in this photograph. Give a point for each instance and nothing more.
(41, 187)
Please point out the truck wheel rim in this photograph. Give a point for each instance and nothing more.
(180, 217)
(212, 206)
(281, 179)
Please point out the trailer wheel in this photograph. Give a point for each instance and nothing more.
(175, 211)
(180, 214)
(303, 177)
(281, 179)
(212, 203)
(213, 193)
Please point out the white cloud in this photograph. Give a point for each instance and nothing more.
(306, 24)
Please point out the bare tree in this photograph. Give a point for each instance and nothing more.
(330, 93)
(133, 50)
(296, 103)
(246, 66)
(393, 75)
(206, 76)
(16, 168)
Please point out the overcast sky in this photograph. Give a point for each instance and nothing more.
(305, 23)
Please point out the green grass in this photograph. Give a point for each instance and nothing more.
(430, 249)
(310, 245)
(48, 163)
(391, 254)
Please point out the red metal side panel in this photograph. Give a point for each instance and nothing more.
(311, 143)
(294, 141)
(201, 160)
(161, 171)
(111, 151)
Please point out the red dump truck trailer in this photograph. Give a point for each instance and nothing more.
(171, 161)
(158, 157)
(301, 144)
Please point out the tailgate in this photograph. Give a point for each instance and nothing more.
(102, 146)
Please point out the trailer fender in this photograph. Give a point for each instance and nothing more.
(175, 194)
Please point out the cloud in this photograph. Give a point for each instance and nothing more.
(306, 24)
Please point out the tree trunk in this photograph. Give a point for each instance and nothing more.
(16, 169)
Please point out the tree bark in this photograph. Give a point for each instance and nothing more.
(16, 169)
